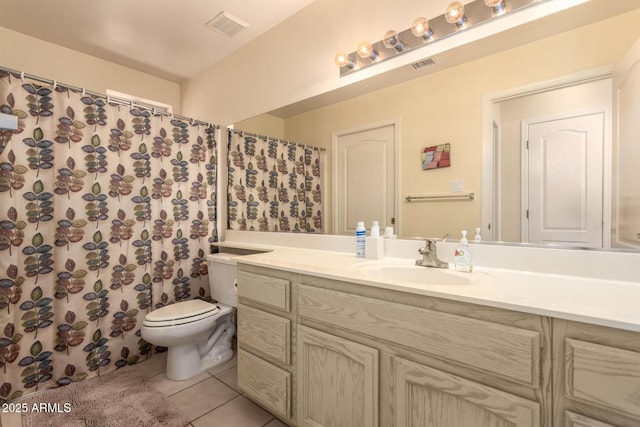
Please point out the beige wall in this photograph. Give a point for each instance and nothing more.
(447, 107)
(38, 57)
(264, 124)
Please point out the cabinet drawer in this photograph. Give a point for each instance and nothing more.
(267, 384)
(265, 333)
(605, 376)
(505, 351)
(270, 291)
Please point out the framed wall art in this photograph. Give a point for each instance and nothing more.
(436, 156)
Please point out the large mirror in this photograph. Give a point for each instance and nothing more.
(486, 102)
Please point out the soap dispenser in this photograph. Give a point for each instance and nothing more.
(462, 258)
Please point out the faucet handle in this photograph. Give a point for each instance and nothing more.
(431, 242)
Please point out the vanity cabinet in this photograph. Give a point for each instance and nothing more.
(319, 352)
(596, 375)
(265, 322)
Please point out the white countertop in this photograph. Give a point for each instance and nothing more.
(612, 303)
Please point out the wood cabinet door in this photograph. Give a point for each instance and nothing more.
(337, 381)
(427, 397)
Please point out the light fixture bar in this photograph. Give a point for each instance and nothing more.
(476, 13)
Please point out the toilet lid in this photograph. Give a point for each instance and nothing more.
(182, 310)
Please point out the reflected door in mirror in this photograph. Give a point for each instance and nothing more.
(564, 181)
(365, 177)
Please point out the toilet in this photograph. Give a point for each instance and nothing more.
(196, 333)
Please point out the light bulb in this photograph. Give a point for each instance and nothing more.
(343, 60)
(365, 50)
(420, 28)
(391, 41)
(498, 6)
(455, 14)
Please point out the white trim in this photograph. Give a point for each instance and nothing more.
(524, 178)
(166, 108)
(488, 219)
(324, 158)
(335, 135)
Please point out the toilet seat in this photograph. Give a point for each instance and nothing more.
(180, 313)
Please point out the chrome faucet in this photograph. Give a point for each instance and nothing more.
(430, 254)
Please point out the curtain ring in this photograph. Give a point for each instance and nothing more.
(22, 76)
(84, 92)
(153, 111)
(55, 85)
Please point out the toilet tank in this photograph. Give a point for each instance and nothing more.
(222, 278)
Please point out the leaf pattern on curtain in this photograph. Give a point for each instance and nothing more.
(273, 186)
(106, 213)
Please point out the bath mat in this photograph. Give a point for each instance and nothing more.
(120, 398)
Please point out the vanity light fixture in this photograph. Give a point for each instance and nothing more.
(498, 7)
(425, 31)
(392, 41)
(455, 15)
(365, 50)
(421, 28)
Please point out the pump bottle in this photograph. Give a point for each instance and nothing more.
(374, 245)
(462, 258)
(361, 234)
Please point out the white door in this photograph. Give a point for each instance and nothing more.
(563, 191)
(364, 178)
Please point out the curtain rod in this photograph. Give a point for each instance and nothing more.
(22, 75)
(284, 141)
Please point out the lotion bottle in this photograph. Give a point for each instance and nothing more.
(462, 258)
(361, 234)
(374, 245)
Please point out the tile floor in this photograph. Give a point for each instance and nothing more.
(210, 399)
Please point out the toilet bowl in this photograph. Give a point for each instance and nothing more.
(197, 333)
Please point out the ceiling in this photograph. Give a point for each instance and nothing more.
(165, 38)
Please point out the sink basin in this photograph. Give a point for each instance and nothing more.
(413, 274)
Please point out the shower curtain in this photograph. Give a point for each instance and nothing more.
(273, 185)
(106, 213)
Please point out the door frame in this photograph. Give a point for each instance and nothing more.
(606, 181)
(334, 168)
(489, 150)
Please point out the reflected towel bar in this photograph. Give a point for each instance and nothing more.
(463, 196)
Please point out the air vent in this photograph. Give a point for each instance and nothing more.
(427, 62)
(226, 24)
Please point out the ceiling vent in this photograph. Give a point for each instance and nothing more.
(226, 24)
(427, 62)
